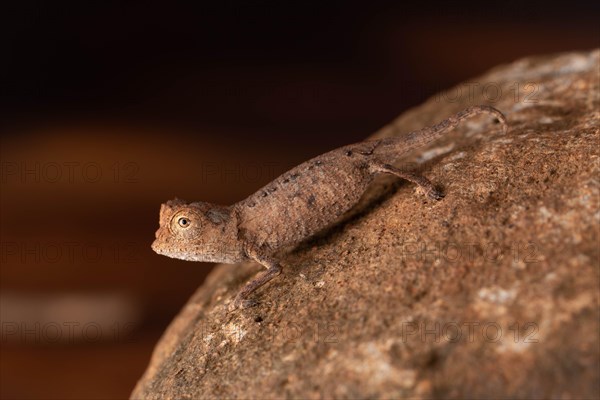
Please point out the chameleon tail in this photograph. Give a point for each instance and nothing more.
(390, 149)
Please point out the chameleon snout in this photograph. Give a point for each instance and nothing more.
(159, 242)
(155, 245)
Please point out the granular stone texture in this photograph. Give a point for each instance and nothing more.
(491, 292)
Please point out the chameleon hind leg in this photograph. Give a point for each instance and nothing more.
(429, 188)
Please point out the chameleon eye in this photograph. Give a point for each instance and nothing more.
(183, 222)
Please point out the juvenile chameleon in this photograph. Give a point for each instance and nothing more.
(294, 206)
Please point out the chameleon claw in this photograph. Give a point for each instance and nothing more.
(242, 303)
(436, 194)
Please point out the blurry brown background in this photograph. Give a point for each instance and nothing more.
(109, 109)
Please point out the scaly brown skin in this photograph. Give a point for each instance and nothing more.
(294, 206)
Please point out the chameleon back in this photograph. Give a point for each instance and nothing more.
(305, 199)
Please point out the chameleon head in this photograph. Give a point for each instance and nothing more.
(193, 231)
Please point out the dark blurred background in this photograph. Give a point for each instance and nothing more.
(110, 108)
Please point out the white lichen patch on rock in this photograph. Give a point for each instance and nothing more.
(435, 152)
(497, 295)
(371, 362)
(234, 332)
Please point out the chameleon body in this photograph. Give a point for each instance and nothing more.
(294, 206)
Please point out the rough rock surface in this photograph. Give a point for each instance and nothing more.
(491, 292)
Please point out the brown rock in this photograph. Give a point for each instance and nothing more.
(491, 292)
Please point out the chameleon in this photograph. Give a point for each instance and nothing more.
(294, 206)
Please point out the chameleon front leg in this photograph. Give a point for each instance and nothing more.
(424, 183)
(273, 269)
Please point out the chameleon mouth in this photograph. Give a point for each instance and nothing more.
(156, 247)
(159, 248)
